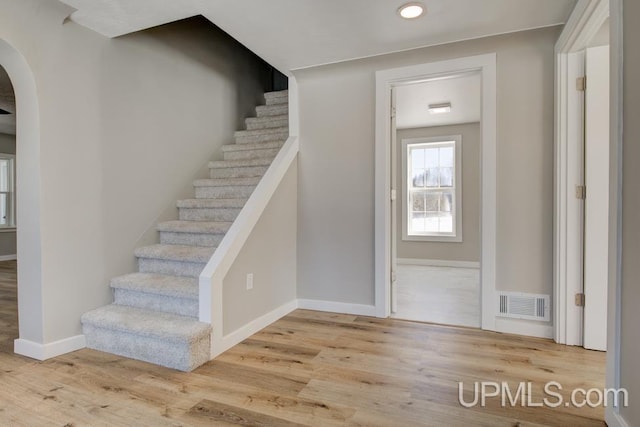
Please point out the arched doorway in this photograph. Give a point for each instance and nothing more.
(29, 270)
(8, 268)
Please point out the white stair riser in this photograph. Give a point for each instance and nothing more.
(172, 354)
(240, 172)
(258, 124)
(250, 154)
(190, 239)
(230, 192)
(172, 268)
(272, 110)
(167, 304)
(205, 214)
(267, 137)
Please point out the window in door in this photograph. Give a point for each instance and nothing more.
(7, 191)
(432, 189)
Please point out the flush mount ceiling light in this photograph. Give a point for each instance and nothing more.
(411, 10)
(440, 108)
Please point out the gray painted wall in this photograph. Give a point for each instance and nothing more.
(630, 317)
(7, 238)
(337, 136)
(469, 248)
(270, 254)
(125, 125)
(7, 143)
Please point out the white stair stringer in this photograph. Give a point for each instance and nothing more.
(154, 316)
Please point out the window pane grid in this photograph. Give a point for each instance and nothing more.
(7, 191)
(431, 188)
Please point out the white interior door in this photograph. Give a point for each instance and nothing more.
(394, 210)
(596, 217)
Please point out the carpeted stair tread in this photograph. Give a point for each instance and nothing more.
(263, 161)
(259, 132)
(159, 284)
(238, 172)
(225, 182)
(278, 97)
(202, 227)
(148, 323)
(211, 203)
(246, 147)
(272, 110)
(254, 123)
(182, 253)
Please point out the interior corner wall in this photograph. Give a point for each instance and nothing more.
(125, 124)
(270, 255)
(337, 146)
(469, 249)
(630, 316)
(7, 238)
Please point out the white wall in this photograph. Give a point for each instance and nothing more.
(125, 125)
(336, 194)
(630, 317)
(469, 248)
(270, 254)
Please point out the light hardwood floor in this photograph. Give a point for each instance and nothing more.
(445, 295)
(308, 368)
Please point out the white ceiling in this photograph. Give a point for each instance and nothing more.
(412, 102)
(293, 34)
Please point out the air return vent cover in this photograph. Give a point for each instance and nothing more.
(524, 306)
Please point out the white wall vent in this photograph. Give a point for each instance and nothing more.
(524, 306)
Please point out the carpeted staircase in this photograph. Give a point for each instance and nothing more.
(154, 316)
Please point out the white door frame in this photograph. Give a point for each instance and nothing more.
(385, 80)
(585, 21)
(612, 414)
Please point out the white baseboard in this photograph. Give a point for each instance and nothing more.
(524, 327)
(46, 351)
(8, 257)
(337, 307)
(438, 263)
(252, 327)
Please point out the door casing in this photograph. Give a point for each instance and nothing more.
(385, 80)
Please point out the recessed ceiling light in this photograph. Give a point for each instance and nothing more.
(411, 10)
(440, 108)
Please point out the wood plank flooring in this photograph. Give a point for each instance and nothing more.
(444, 295)
(308, 368)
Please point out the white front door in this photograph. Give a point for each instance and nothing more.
(596, 216)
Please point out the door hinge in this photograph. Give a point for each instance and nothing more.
(393, 112)
(580, 300)
(393, 195)
(393, 276)
(581, 192)
(581, 84)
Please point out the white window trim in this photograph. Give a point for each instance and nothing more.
(11, 226)
(457, 237)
